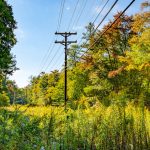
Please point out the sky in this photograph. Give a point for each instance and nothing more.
(37, 22)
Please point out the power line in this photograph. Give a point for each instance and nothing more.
(103, 17)
(73, 14)
(75, 8)
(78, 17)
(61, 14)
(52, 58)
(100, 35)
(56, 64)
(110, 25)
(49, 51)
(106, 15)
(47, 55)
(93, 4)
(93, 9)
(101, 11)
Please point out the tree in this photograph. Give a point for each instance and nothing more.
(73, 55)
(7, 38)
(89, 31)
(115, 70)
(88, 35)
(48, 84)
(137, 60)
(102, 58)
(145, 4)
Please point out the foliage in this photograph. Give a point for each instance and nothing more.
(7, 38)
(73, 56)
(4, 99)
(7, 59)
(108, 91)
(117, 65)
(97, 127)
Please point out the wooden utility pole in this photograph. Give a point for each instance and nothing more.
(65, 42)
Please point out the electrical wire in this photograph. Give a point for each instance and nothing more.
(81, 12)
(106, 15)
(49, 51)
(72, 16)
(57, 63)
(100, 35)
(93, 16)
(47, 55)
(79, 16)
(61, 14)
(52, 58)
(100, 11)
(103, 17)
(96, 16)
(75, 8)
(93, 4)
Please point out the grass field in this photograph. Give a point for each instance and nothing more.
(97, 127)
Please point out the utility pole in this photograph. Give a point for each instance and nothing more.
(65, 42)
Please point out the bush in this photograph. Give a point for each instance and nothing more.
(4, 99)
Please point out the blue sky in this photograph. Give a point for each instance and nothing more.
(37, 21)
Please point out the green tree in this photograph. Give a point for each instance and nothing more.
(7, 38)
(74, 53)
(88, 35)
(137, 60)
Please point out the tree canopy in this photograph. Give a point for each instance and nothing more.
(7, 38)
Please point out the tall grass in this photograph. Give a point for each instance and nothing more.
(97, 127)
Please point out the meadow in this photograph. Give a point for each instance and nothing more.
(91, 128)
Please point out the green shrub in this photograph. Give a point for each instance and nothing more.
(4, 99)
